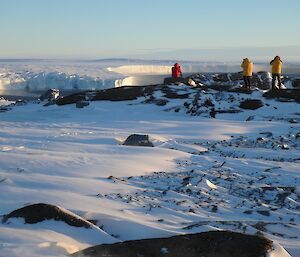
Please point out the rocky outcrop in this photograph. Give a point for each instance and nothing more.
(187, 81)
(138, 140)
(122, 93)
(208, 244)
(71, 99)
(251, 104)
(261, 80)
(39, 212)
(284, 95)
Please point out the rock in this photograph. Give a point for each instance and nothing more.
(82, 103)
(39, 212)
(122, 93)
(173, 94)
(296, 83)
(213, 243)
(262, 80)
(264, 213)
(138, 140)
(170, 80)
(70, 99)
(251, 104)
(50, 95)
(223, 78)
(284, 94)
(236, 76)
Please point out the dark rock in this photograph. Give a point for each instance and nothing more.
(50, 95)
(138, 140)
(168, 81)
(209, 244)
(4, 108)
(283, 94)
(172, 94)
(82, 103)
(296, 83)
(251, 104)
(264, 213)
(224, 77)
(236, 76)
(160, 102)
(39, 212)
(111, 94)
(121, 93)
(71, 99)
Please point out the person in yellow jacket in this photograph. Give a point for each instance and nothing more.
(276, 71)
(247, 66)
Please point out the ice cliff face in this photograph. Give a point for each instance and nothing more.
(31, 81)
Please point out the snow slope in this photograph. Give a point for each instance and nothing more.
(203, 174)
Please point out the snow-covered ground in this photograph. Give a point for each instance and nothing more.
(203, 173)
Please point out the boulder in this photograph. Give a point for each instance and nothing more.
(251, 104)
(138, 140)
(39, 212)
(209, 244)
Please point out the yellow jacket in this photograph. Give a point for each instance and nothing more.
(247, 67)
(276, 65)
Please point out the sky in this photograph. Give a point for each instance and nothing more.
(146, 28)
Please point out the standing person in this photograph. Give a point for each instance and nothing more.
(247, 72)
(276, 72)
(176, 71)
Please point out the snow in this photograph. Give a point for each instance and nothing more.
(196, 178)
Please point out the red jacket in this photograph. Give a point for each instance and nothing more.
(176, 71)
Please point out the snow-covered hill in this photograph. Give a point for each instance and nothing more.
(238, 171)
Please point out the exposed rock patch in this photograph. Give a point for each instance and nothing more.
(138, 140)
(208, 244)
(284, 94)
(40, 212)
(251, 104)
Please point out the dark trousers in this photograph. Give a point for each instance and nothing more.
(247, 80)
(274, 78)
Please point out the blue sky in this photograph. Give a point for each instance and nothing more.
(142, 28)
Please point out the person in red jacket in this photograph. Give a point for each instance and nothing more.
(176, 71)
